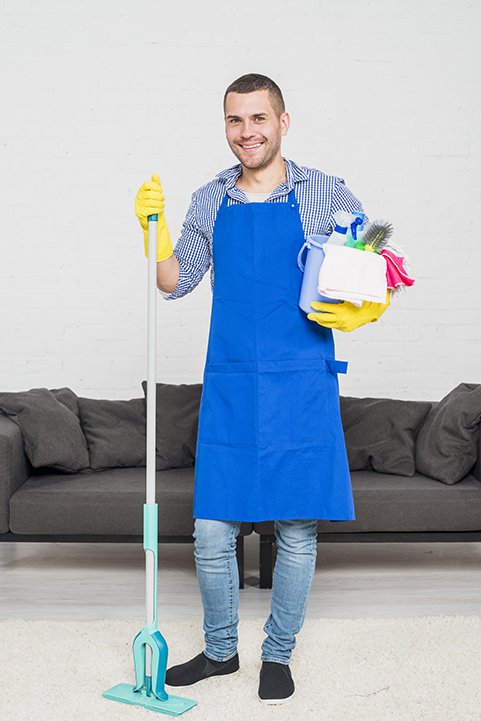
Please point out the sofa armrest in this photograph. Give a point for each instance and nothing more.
(15, 467)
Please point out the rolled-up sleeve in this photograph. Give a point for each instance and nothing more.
(193, 251)
(343, 199)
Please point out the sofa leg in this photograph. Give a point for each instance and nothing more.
(240, 559)
(265, 561)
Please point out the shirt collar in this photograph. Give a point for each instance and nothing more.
(294, 174)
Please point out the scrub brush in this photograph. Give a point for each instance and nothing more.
(377, 234)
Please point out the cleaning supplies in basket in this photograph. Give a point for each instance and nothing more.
(351, 277)
(336, 274)
(355, 278)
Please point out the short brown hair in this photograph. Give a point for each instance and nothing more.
(251, 83)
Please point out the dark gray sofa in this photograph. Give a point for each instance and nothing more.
(442, 503)
(95, 504)
(396, 509)
(415, 470)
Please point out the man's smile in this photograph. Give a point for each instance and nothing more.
(250, 146)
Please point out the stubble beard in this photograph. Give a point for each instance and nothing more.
(265, 161)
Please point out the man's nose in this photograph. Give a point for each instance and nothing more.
(248, 130)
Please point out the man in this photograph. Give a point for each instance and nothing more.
(270, 443)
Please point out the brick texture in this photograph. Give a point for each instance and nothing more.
(96, 96)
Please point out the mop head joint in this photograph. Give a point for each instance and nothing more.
(149, 691)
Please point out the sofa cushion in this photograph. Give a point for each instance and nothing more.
(177, 418)
(68, 398)
(115, 432)
(51, 430)
(108, 502)
(380, 432)
(446, 447)
(398, 504)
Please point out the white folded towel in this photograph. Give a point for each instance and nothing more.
(352, 275)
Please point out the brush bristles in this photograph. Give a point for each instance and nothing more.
(378, 233)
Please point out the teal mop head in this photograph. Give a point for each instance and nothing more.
(173, 705)
(149, 645)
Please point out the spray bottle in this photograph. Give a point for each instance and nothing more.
(355, 230)
(339, 234)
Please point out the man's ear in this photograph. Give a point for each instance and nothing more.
(285, 123)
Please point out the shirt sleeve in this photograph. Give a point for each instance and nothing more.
(343, 199)
(193, 251)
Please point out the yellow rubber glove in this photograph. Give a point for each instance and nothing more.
(346, 316)
(150, 201)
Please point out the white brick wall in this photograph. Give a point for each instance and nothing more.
(98, 95)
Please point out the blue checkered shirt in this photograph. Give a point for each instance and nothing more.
(319, 196)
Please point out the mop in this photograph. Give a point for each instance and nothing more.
(149, 647)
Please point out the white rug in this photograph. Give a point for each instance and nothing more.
(412, 669)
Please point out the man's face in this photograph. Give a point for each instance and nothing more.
(253, 129)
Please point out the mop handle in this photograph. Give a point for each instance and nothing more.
(150, 508)
(151, 358)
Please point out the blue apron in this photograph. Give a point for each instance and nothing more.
(270, 443)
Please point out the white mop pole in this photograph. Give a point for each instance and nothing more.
(151, 558)
(155, 696)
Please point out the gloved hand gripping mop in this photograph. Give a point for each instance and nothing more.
(149, 647)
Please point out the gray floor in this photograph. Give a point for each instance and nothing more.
(106, 581)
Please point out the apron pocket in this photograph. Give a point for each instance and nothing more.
(293, 403)
(227, 411)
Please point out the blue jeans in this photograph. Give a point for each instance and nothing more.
(217, 573)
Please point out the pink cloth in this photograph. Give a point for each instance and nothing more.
(395, 273)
